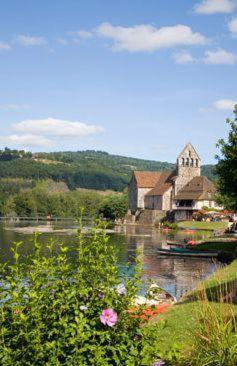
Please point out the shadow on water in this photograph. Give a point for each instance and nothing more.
(175, 275)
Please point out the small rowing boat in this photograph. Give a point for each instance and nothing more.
(183, 252)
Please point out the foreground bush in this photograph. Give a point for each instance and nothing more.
(59, 311)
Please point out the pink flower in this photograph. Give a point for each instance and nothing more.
(108, 317)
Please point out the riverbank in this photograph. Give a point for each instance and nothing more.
(49, 229)
(202, 225)
(180, 323)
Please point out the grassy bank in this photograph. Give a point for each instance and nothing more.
(202, 225)
(224, 246)
(180, 323)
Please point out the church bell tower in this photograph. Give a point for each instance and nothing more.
(188, 166)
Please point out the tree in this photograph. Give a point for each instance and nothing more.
(114, 206)
(227, 166)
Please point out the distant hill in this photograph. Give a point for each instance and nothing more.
(86, 169)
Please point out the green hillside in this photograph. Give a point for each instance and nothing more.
(86, 169)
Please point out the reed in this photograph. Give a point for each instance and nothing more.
(214, 333)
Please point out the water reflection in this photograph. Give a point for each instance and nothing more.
(176, 275)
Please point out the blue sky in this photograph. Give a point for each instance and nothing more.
(137, 78)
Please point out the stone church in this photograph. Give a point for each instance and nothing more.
(180, 192)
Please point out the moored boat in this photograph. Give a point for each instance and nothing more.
(184, 252)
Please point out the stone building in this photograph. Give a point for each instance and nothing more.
(180, 192)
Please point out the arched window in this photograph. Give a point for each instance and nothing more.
(196, 162)
(192, 162)
(189, 153)
(182, 161)
(187, 161)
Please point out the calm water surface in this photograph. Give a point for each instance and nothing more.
(175, 275)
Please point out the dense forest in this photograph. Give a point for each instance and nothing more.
(86, 169)
(61, 183)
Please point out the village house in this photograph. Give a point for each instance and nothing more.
(179, 193)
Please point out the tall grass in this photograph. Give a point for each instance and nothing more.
(214, 335)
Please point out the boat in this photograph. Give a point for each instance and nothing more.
(183, 252)
(184, 244)
(176, 244)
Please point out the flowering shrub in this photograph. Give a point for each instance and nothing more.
(58, 310)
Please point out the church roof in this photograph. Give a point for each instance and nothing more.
(163, 184)
(146, 179)
(199, 188)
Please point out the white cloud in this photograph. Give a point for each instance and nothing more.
(225, 104)
(7, 107)
(215, 6)
(233, 26)
(26, 141)
(148, 38)
(57, 128)
(183, 57)
(28, 41)
(220, 57)
(4, 46)
(79, 35)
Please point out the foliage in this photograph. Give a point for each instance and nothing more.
(41, 202)
(51, 308)
(8, 154)
(114, 206)
(170, 225)
(203, 323)
(227, 166)
(215, 335)
(51, 198)
(87, 169)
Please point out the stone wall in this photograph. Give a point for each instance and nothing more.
(141, 197)
(149, 217)
(132, 195)
(153, 202)
(186, 174)
(181, 215)
(167, 200)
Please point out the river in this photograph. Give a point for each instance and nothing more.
(175, 275)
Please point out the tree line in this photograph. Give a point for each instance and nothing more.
(20, 198)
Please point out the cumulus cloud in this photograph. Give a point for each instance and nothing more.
(220, 57)
(27, 141)
(77, 36)
(214, 6)
(225, 104)
(183, 57)
(28, 41)
(143, 38)
(48, 132)
(233, 26)
(57, 128)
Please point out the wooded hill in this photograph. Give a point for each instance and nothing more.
(86, 169)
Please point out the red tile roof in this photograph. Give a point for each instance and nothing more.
(163, 184)
(199, 188)
(147, 179)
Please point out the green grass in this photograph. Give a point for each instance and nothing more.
(181, 320)
(202, 225)
(219, 246)
(178, 324)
